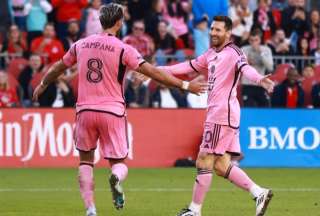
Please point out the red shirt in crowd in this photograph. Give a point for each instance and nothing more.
(292, 97)
(143, 44)
(68, 9)
(53, 48)
(8, 97)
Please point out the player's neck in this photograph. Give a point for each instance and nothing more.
(111, 31)
(222, 45)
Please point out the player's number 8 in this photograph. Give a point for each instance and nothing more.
(94, 73)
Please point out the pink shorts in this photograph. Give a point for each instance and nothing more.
(220, 139)
(109, 129)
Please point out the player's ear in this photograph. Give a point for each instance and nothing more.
(229, 33)
(119, 23)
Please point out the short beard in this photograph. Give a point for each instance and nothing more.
(218, 45)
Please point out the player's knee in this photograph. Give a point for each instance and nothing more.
(203, 162)
(219, 169)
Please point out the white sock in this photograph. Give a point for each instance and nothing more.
(255, 190)
(92, 209)
(195, 207)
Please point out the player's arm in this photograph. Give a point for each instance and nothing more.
(250, 73)
(198, 65)
(171, 81)
(178, 69)
(53, 73)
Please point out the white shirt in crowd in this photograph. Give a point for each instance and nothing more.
(196, 101)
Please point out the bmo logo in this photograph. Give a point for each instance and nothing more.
(305, 138)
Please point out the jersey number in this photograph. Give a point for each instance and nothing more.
(94, 73)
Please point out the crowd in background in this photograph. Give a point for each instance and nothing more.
(36, 33)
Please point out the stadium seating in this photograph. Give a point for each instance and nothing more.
(280, 73)
(317, 73)
(307, 88)
(16, 66)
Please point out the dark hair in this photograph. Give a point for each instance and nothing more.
(49, 24)
(227, 21)
(256, 32)
(110, 14)
(179, 10)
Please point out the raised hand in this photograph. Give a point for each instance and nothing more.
(267, 83)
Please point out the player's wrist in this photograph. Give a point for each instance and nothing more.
(185, 85)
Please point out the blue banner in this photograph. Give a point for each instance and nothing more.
(280, 137)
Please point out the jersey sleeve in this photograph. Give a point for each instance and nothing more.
(70, 58)
(200, 64)
(241, 61)
(248, 71)
(132, 58)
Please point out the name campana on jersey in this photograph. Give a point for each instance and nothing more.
(97, 45)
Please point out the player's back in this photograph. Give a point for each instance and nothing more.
(101, 61)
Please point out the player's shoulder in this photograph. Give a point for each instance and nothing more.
(209, 52)
(234, 49)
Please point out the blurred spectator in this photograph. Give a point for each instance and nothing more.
(308, 72)
(242, 19)
(58, 94)
(289, 93)
(303, 50)
(175, 13)
(93, 25)
(126, 21)
(201, 36)
(165, 45)
(260, 57)
(279, 44)
(138, 9)
(18, 13)
(316, 95)
(313, 32)
(198, 101)
(154, 16)
(280, 4)
(263, 19)
(164, 97)
(6, 18)
(16, 43)
(36, 12)
(73, 34)
(294, 21)
(47, 45)
(316, 54)
(209, 8)
(303, 47)
(8, 96)
(139, 40)
(35, 66)
(136, 94)
(67, 10)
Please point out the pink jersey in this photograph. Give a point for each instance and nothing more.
(102, 60)
(223, 69)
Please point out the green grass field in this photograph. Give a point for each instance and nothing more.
(158, 192)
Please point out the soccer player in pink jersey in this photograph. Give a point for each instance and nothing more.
(102, 60)
(222, 64)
